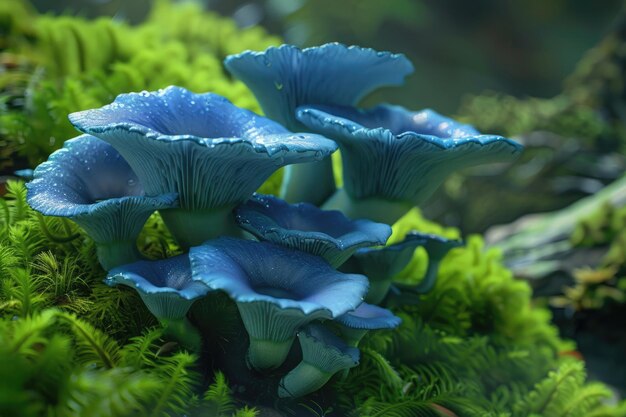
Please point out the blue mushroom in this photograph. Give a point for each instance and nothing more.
(382, 264)
(90, 183)
(277, 290)
(201, 146)
(436, 248)
(355, 324)
(323, 355)
(302, 226)
(394, 159)
(167, 290)
(285, 77)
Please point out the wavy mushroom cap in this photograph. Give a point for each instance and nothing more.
(323, 355)
(251, 271)
(165, 286)
(88, 181)
(369, 317)
(209, 151)
(285, 77)
(381, 263)
(277, 290)
(396, 154)
(328, 234)
(325, 349)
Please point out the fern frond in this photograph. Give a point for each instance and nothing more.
(562, 394)
(60, 279)
(141, 351)
(217, 400)
(92, 345)
(407, 408)
(246, 412)
(16, 196)
(388, 377)
(117, 392)
(176, 383)
(23, 288)
(28, 333)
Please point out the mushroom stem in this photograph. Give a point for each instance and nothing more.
(378, 290)
(267, 354)
(430, 277)
(302, 380)
(184, 332)
(352, 337)
(193, 227)
(311, 182)
(377, 209)
(116, 253)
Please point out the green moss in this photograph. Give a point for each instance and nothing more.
(69, 344)
(80, 64)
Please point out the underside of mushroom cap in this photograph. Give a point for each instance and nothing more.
(212, 153)
(393, 153)
(329, 234)
(165, 286)
(89, 182)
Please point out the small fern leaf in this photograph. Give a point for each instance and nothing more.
(217, 400)
(92, 345)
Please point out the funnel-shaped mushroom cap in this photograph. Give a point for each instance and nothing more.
(165, 286)
(302, 226)
(369, 317)
(323, 355)
(89, 182)
(380, 263)
(212, 153)
(326, 350)
(277, 290)
(285, 77)
(392, 153)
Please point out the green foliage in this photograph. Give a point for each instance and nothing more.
(563, 393)
(72, 346)
(475, 346)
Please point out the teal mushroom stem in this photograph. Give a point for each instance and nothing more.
(382, 210)
(312, 182)
(192, 227)
(382, 264)
(115, 253)
(181, 330)
(166, 288)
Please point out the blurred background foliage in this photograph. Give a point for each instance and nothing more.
(518, 47)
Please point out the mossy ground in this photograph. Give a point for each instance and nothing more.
(475, 346)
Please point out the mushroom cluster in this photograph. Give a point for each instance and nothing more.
(310, 266)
